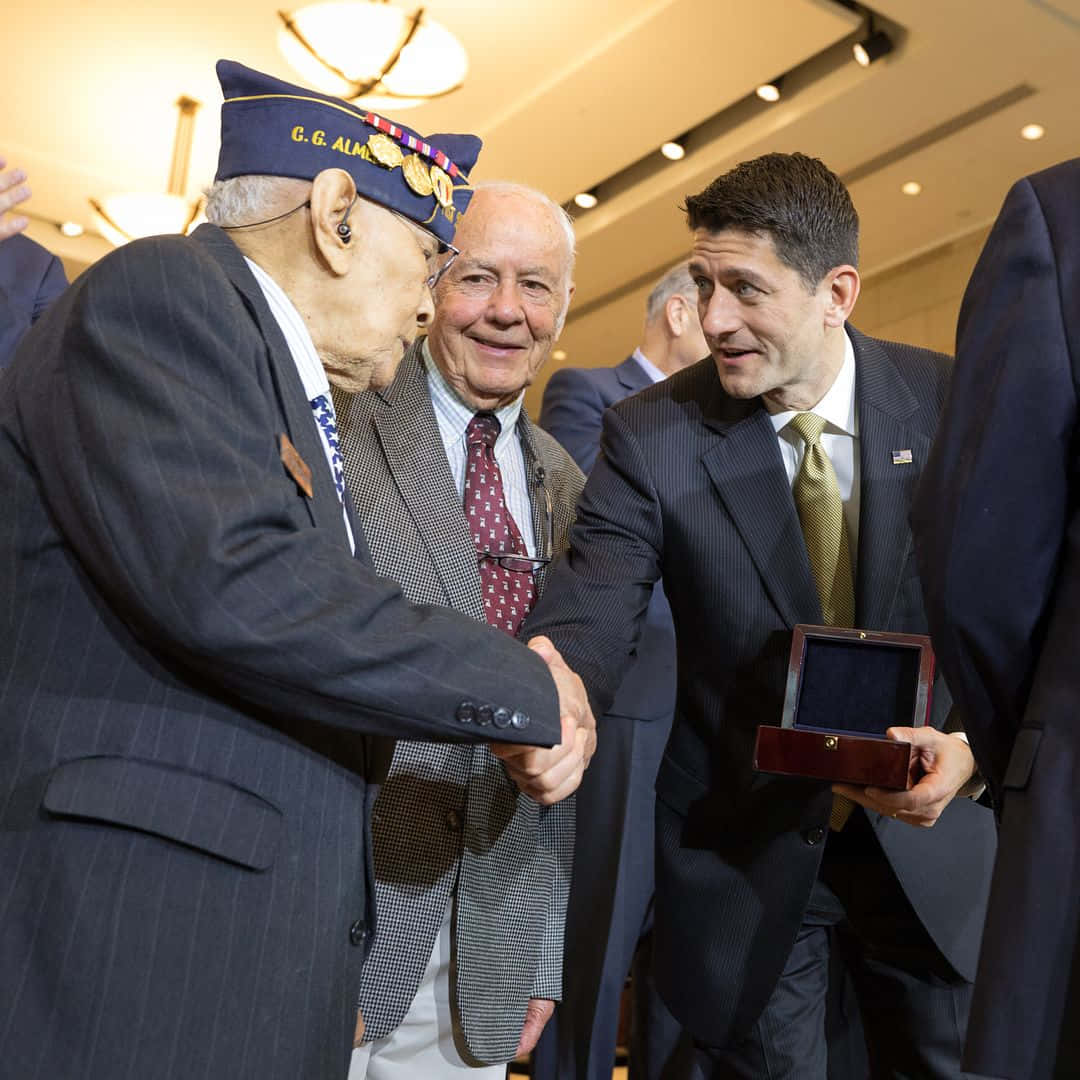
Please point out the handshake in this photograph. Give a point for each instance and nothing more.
(547, 776)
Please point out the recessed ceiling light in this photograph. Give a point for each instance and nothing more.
(770, 91)
(71, 228)
(673, 151)
(1032, 132)
(871, 48)
(559, 354)
(586, 200)
(912, 187)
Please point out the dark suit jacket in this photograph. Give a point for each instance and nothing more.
(575, 400)
(691, 486)
(31, 278)
(448, 817)
(613, 848)
(190, 661)
(998, 527)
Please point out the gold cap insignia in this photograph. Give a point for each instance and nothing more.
(416, 175)
(442, 186)
(384, 150)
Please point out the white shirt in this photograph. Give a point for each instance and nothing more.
(453, 417)
(308, 365)
(839, 440)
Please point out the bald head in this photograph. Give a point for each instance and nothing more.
(501, 306)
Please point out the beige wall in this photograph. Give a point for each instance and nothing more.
(918, 301)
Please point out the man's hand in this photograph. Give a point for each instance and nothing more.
(12, 192)
(550, 775)
(941, 765)
(537, 1014)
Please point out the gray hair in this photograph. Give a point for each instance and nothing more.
(244, 199)
(676, 282)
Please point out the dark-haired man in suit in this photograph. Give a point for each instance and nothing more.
(195, 649)
(770, 485)
(997, 529)
(610, 913)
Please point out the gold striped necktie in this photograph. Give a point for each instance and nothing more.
(821, 515)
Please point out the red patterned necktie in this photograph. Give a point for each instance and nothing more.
(509, 592)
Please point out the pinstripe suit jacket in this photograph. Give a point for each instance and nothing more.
(691, 485)
(190, 663)
(449, 817)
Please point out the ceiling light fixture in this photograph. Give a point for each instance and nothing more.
(558, 355)
(1031, 132)
(71, 228)
(770, 91)
(132, 214)
(911, 187)
(873, 47)
(372, 50)
(673, 150)
(586, 200)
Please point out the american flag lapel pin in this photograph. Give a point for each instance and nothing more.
(901, 457)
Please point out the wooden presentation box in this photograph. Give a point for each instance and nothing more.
(845, 688)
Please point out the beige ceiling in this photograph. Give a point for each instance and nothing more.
(568, 94)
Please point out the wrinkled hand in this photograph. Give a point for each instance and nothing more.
(12, 192)
(551, 775)
(941, 765)
(537, 1014)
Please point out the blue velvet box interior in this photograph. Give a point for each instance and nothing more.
(857, 687)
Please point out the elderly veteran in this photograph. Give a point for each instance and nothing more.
(465, 501)
(193, 661)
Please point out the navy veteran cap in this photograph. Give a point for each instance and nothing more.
(272, 128)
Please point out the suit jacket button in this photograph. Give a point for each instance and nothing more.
(520, 720)
(453, 821)
(358, 932)
(484, 715)
(814, 836)
(502, 717)
(466, 712)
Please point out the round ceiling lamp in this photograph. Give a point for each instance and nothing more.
(130, 214)
(372, 51)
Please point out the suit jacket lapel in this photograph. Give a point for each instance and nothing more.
(409, 435)
(632, 376)
(885, 406)
(747, 471)
(324, 507)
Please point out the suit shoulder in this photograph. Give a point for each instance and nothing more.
(926, 371)
(575, 381)
(561, 467)
(685, 391)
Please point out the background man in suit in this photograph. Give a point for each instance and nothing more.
(999, 552)
(467, 865)
(31, 278)
(698, 483)
(610, 910)
(192, 657)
